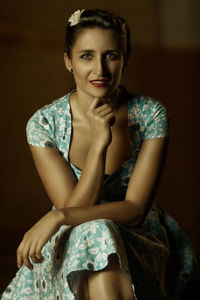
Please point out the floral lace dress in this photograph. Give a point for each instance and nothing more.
(157, 257)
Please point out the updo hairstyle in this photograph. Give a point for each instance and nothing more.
(91, 18)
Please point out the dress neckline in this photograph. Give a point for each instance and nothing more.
(79, 171)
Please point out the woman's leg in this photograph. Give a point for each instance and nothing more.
(110, 283)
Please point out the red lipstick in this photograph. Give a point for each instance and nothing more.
(99, 82)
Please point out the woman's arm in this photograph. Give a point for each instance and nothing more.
(142, 186)
(57, 176)
(61, 184)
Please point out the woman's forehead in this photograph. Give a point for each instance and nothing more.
(97, 38)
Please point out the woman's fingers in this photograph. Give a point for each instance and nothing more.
(22, 255)
(19, 258)
(34, 240)
(29, 249)
(98, 103)
(103, 112)
(110, 118)
(27, 262)
(95, 103)
(35, 256)
(38, 255)
(38, 251)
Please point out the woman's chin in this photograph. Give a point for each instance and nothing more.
(101, 92)
(98, 92)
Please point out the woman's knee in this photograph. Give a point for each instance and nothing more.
(110, 282)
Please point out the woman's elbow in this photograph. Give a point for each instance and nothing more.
(138, 218)
(137, 222)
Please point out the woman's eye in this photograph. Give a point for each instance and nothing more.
(111, 55)
(86, 56)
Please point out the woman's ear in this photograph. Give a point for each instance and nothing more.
(68, 63)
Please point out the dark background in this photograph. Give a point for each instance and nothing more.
(164, 64)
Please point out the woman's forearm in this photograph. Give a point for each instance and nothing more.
(88, 188)
(124, 212)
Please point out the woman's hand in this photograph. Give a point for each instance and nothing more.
(101, 118)
(34, 239)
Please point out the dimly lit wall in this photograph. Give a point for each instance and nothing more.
(164, 64)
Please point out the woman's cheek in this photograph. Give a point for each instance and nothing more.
(82, 70)
(117, 71)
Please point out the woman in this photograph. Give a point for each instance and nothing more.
(100, 151)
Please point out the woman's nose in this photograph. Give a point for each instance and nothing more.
(100, 67)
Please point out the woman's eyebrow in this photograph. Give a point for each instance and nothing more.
(86, 50)
(91, 50)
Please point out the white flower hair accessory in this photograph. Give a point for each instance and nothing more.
(75, 17)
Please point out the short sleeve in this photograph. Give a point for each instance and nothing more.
(156, 120)
(40, 130)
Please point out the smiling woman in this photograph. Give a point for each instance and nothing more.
(97, 61)
(99, 152)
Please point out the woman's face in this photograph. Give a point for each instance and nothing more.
(97, 62)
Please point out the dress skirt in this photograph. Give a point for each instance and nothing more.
(155, 271)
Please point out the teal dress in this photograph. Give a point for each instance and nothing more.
(157, 257)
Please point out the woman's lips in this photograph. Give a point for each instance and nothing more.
(99, 82)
